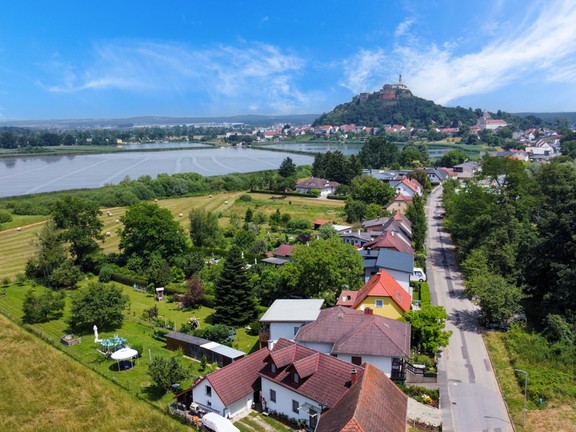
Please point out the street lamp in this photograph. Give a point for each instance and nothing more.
(525, 387)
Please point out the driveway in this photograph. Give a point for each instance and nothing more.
(469, 394)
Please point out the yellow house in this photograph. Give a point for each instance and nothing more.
(382, 294)
(399, 203)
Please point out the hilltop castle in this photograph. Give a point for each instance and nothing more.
(389, 91)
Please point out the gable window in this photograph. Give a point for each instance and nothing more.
(296, 378)
(208, 391)
(357, 360)
(272, 395)
(272, 367)
(379, 303)
(295, 406)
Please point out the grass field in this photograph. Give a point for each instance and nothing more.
(558, 415)
(16, 246)
(42, 389)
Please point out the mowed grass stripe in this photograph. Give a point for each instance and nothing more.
(16, 247)
(43, 390)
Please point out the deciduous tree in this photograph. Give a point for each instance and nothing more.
(98, 304)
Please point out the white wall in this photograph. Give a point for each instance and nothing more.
(321, 347)
(199, 396)
(284, 399)
(382, 363)
(283, 329)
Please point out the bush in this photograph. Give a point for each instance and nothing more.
(245, 198)
(255, 327)
(5, 216)
(315, 192)
(105, 274)
(139, 348)
(160, 333)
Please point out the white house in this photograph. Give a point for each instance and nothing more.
(285, 317)
(326, 187)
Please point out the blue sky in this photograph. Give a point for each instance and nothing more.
(94, 59)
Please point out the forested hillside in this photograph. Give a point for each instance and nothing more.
(409, 111)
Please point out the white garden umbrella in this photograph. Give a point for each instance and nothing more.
(124, 354)
(96, 340)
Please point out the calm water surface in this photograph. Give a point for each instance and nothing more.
(27, 175)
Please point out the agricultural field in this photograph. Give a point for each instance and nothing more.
(43, 389)
(17, 246)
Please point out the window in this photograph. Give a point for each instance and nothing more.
(296, 378)
(208, 391)
(272, 395)
(296, 330)
(295, 406)
(209, 403)
(356, 360)
(272, 367)
(379, 303)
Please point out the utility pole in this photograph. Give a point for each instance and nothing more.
(525, 387)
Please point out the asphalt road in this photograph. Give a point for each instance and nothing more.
(469, 394)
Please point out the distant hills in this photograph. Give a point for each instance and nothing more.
(249, 120)
(395, 104)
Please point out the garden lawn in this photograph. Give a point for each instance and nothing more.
(136, 330)
(42, 389)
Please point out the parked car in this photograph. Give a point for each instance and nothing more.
(418, 275)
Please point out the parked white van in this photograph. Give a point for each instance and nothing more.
(418, 275)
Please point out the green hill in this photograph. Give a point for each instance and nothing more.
(395, 104)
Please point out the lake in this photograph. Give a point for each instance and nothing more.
(36, 174)
(434, 151)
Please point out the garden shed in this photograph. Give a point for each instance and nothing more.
(196, 347)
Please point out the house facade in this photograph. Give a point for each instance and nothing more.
(358, 337)
(382, 293)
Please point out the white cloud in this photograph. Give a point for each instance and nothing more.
(541, 44)
(365, 71)
(403, 27)
(257, 71)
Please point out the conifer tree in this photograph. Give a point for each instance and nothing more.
(235, 304)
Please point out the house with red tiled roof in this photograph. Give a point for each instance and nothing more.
(382, 293)
(302, 383)
(281, 255)
(390, 240)
(406, 187)
(399, 203)
(359, 336)
(230, 391)
(373, 404)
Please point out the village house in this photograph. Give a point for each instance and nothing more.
(284, 318)
(399, 203)
(291, 380)
(382, 293)
(326, 187)
(358, 337)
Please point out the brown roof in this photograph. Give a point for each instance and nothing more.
(327, 378)
(389, 240)
(382, 285)
(357, 333)
(316, 183)
(284, 250)
(373, 404)
(402, 198)
(239, 378)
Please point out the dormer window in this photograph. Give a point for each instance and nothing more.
(296, 378)
(272, 368)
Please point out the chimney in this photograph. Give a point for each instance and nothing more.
(368, 311)
(353, 375)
